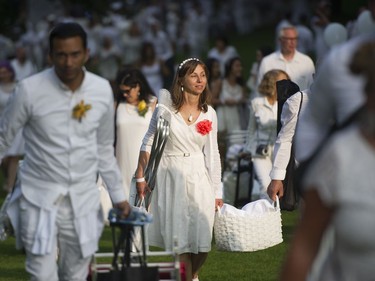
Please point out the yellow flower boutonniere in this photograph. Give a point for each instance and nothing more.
(79, 111)
(142, 108)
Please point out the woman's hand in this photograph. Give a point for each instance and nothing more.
(142, 188)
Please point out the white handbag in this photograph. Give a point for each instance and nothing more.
(256, 226)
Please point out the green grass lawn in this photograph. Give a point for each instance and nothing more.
(240, 266)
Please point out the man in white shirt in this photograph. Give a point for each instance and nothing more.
(299, 67)
(67, 118)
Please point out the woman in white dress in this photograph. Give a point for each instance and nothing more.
(262, 127)
(232, 97)
(16, 151)
(135, 105)
(188, 187)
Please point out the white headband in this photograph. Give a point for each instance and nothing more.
(185, 61)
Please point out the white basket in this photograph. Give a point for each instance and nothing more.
(248, 233)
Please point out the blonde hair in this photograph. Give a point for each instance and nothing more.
(267, 86)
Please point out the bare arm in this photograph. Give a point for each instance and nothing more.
(305, 245)
(140, 173)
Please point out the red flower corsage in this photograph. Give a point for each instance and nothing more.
(204, 127)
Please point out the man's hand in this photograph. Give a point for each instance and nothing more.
(125, 208)
(275, 188)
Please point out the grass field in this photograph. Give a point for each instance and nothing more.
(262, 265)
(225, 266)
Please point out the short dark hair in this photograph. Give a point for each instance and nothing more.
(66, 30)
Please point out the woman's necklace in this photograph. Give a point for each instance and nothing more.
(189, 113)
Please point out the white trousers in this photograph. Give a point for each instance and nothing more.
(262, 169)
(64, 262)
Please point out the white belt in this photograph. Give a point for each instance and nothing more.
(183, 154)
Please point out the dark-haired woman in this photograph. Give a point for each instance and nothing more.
(135, 105)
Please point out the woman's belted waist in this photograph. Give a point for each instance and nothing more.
(184, 154)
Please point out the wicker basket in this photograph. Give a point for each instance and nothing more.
(249, 232)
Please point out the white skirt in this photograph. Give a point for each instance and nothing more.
(183, 205)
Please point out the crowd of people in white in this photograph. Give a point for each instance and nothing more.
(150, 38)
(137, 55)
(116, 38)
